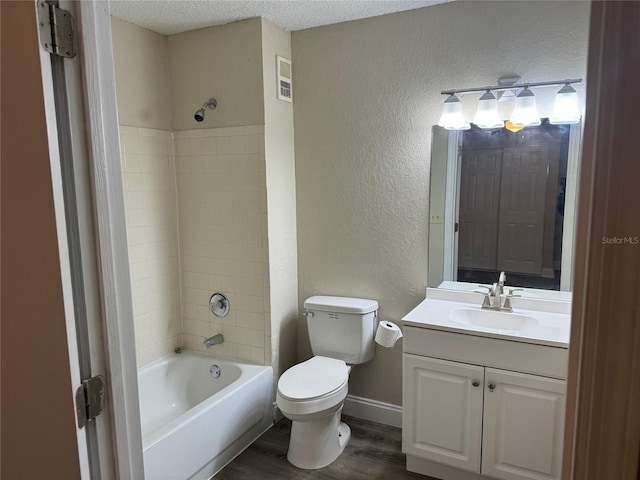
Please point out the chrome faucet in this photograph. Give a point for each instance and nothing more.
(493, 298)
(501, 280)
(215, 340)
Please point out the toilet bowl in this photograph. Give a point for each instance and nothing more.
(311, 394)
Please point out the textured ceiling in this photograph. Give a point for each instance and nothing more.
(174, 16)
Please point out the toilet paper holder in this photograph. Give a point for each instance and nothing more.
(387, 334)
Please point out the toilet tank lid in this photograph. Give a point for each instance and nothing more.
(340, 304)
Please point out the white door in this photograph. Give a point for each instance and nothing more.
(442, 419)
(523, 426)
(479, 208)
(522, 209)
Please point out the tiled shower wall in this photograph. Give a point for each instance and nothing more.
(152, 235)
(197, 224)
(223, 245)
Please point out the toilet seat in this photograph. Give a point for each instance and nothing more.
(313, 386)
(314, 378)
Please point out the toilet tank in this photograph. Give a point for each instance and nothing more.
(342, 327)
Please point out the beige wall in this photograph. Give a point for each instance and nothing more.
(141, 67)
(281, 202)
(366, 95)
(38, 420)
(224, 62)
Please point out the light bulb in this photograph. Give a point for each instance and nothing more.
(451, 117)
(565, 107)
(525, 113)
(487, 115)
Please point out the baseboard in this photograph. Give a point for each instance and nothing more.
(368, 409)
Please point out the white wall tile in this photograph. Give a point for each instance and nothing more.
(223, 146)
(254, 130)
(152, 232)
(233, 131)
(252, 143)
(236, 144)
(195, 208)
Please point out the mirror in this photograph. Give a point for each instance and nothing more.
(504, 201)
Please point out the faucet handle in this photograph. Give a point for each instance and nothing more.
(488, 292)
(511, 290)
(486, 302)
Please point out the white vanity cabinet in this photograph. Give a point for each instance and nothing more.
(442, 411)
(523, 425)
(478, 407)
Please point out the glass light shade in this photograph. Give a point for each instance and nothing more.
(487, 115)
(525, 113)
(565, 107)
(452, 118)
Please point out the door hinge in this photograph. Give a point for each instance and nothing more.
(89, 398)
(57, 30)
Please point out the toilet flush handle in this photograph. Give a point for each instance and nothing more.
(308, 314)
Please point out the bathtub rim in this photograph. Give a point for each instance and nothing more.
(249, 371)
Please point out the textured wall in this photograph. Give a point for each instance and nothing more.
(141, 66)
(281, 202)
(366, 96)
(224, 62)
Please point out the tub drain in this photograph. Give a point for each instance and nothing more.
(215, 371)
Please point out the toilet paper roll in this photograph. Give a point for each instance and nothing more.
(388, 334)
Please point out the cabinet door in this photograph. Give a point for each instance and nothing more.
(442, 413)
(523, 426)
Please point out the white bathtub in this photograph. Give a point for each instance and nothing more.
(194, 424)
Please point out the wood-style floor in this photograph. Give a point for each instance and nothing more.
(373, 453)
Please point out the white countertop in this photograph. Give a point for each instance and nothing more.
(526, 293)
(553, 318)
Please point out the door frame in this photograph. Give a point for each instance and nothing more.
(602, 431)
(82, 122)
(452, 205)
(50, 89)
(94, 28)
(570, 207)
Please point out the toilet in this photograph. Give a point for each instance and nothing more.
(311, 394)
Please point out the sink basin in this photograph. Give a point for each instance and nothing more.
(492, 319)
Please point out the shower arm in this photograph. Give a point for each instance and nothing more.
(211, 104)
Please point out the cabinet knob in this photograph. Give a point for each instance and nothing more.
(491, 386)
(475, 383)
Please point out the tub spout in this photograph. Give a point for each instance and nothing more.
(215, 340)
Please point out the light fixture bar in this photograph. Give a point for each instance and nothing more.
(499, 88)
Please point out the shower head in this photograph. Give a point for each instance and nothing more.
(210, 104)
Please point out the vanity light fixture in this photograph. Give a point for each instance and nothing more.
(565, 107)
(451, 117)
(487, 115)
(525, 114)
